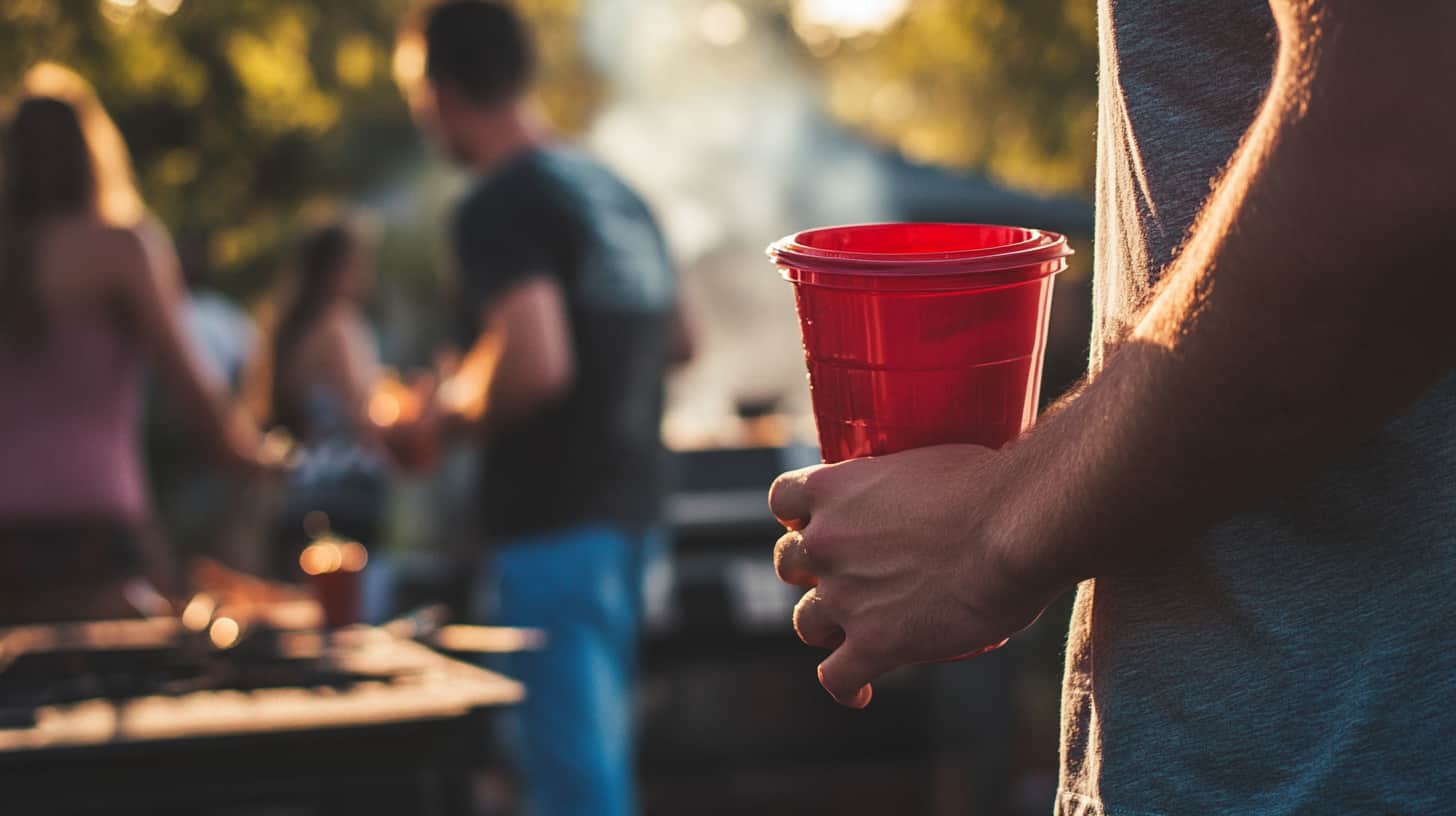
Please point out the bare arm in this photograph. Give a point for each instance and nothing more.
(522, 361)
(1310, 306)
(152, 298)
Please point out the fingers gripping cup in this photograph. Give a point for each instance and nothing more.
(921, 334)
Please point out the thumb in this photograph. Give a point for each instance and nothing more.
(846, 675)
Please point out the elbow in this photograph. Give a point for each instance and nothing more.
(548, 384)
(556, 385)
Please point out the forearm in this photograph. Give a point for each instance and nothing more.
(1309, 306)
(218, 422)
(472, 408)
(226, 429)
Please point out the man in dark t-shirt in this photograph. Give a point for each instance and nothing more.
(568, 305)
(554, 217)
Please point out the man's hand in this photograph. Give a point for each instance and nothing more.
(902, 563)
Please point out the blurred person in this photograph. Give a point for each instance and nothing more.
(89, 293)
(204, 509)
(325, 369)
(1254, 489)
(568, 306)
(223, 332)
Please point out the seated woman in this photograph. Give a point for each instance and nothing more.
(89, 293)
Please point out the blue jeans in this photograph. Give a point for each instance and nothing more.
(572, 737)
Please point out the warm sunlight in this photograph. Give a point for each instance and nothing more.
(723, 23)
(224, 633)
(849, 18)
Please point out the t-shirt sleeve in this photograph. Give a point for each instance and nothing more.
(495, 247)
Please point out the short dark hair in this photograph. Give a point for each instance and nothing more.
(483, 48)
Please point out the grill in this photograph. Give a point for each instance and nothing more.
(146, 716)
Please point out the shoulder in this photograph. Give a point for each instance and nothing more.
(480, 195)
(95, 238)
(120, 256)
(591, 190)
(510, 219)
(571, 174)
(146, 244)
(523, 185)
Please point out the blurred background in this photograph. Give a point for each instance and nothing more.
(740, 121)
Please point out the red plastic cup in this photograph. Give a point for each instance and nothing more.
(334, 568)
(921, 334)
(338, 596)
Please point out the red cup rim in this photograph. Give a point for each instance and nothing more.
(1036, 250)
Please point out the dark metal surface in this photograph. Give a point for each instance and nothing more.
(367, 721)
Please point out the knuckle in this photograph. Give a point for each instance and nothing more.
(776, 490)
(785, 543)
(784, 485)
(821, 602)
(802, 632)
(790, 561)
(811, 623)
(802, 627)
(807, 607)
(812, 481)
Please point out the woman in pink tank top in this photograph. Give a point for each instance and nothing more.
(89, 291)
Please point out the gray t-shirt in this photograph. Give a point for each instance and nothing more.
(1295, 659)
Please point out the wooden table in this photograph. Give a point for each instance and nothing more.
(398, 744)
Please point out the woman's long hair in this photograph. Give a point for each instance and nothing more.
(60, 155)
(315, 272)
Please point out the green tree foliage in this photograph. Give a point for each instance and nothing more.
(1008, 86)
(243, 114)
(237, 113)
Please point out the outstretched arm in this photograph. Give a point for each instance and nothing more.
(152, 298)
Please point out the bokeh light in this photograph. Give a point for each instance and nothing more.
(224, 633)
(321, 557)
(723, 23)
(329, 554)
(384, 409)
(353, 556)
(277, 446)
(409, 61)
(848, 18)
(198, 612)
(354, 61)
